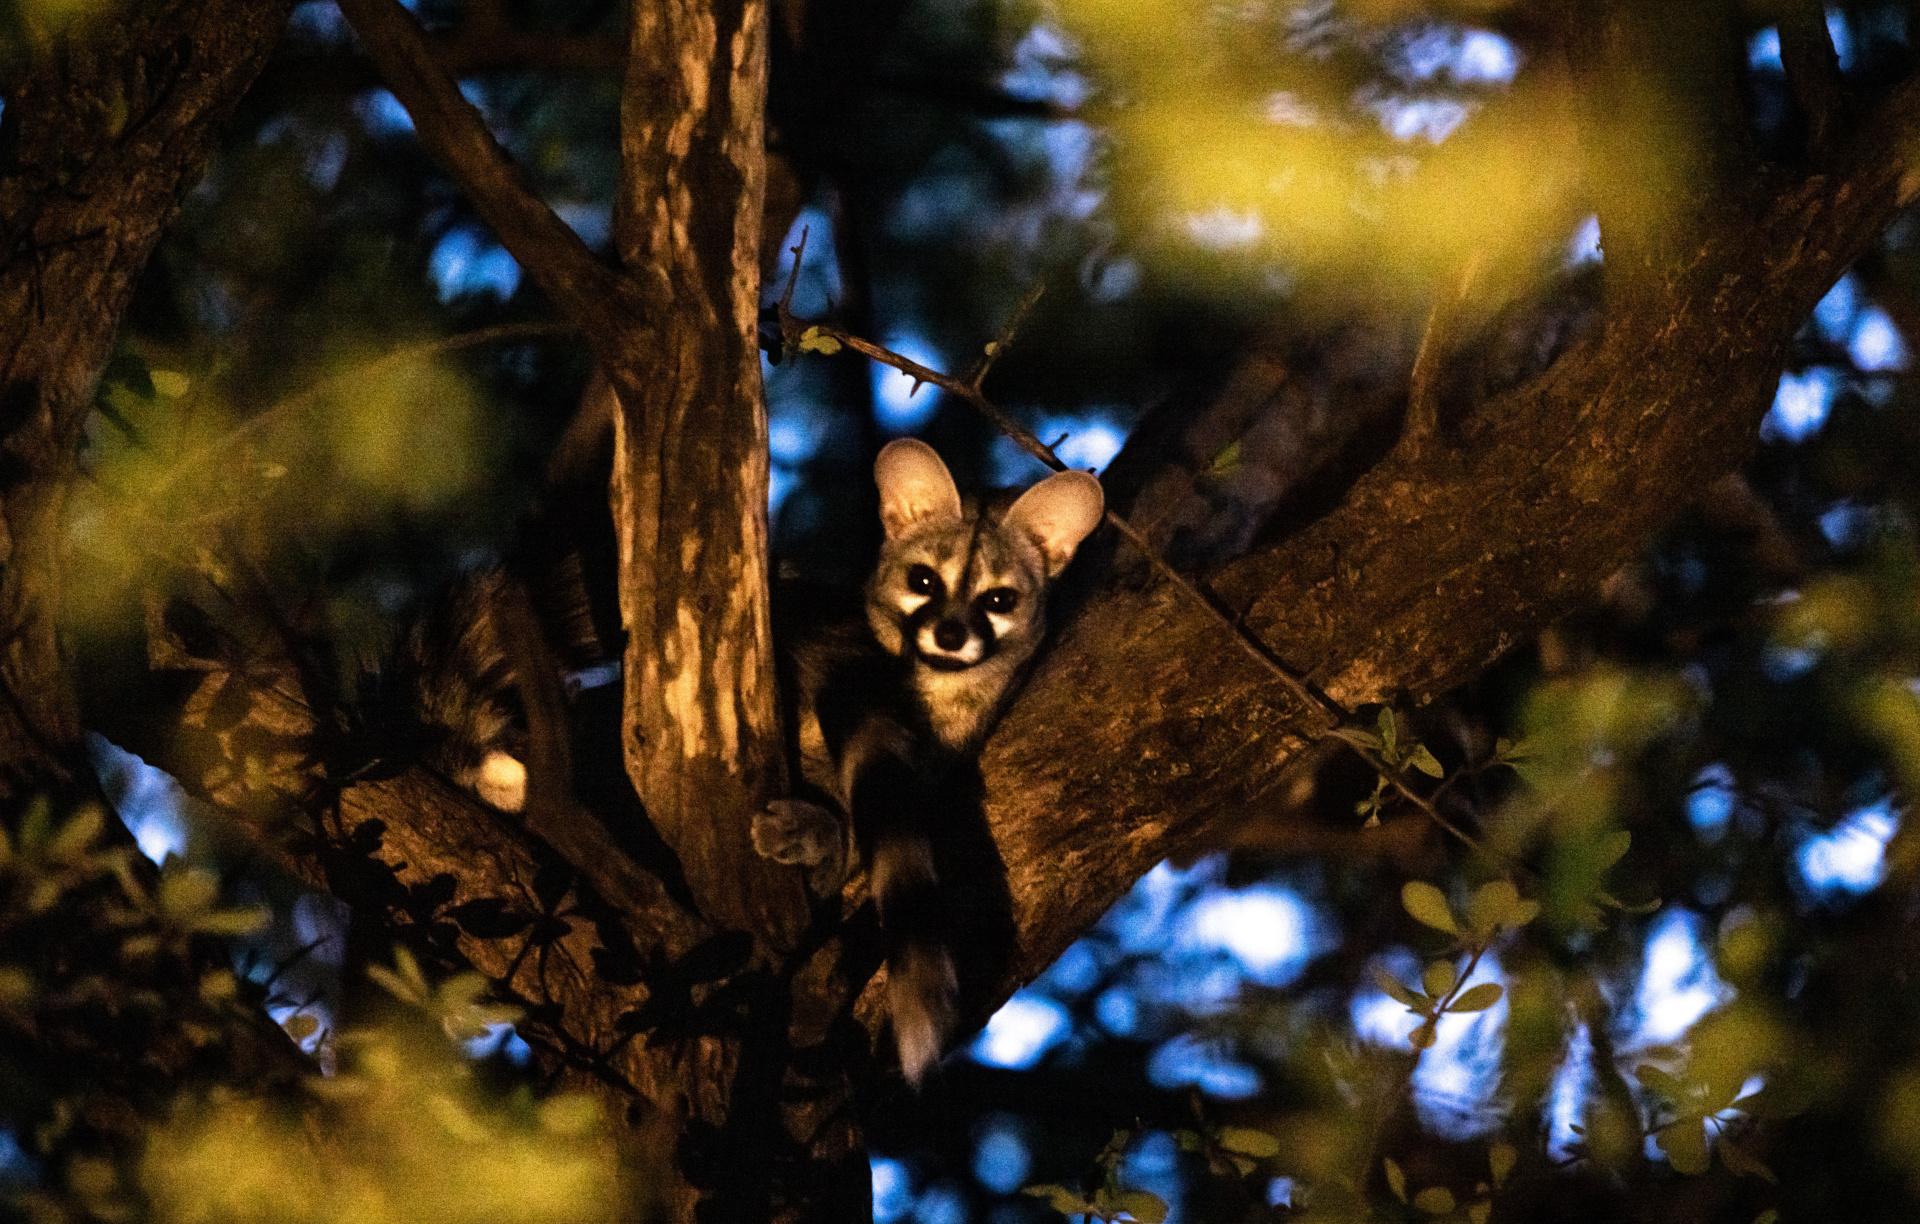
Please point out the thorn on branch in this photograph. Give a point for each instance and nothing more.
(793, 277)
(999, 343)
(1327, 715)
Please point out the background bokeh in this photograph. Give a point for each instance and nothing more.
(1189, 181)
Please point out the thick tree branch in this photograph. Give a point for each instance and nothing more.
(690, 467)
(1144, 730)
(452, 129)
(87, 191)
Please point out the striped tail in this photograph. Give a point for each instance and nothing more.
(921, 987)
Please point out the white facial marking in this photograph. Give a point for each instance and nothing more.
(971, 651)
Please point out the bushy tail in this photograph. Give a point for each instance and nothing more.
(921, 988)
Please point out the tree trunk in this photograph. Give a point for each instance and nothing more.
(726, 1025)
(108, 121)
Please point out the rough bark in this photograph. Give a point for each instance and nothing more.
(1143, 730)
(690, 454)
(1145, 727)
(107, 123)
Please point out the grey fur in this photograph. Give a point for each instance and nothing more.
(954, 611)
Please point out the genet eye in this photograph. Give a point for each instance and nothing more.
(921, 580)
(1001, 599)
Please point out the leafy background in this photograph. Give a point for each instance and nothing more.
(1701, 790)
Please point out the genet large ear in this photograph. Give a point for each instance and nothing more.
(916, 490)
(1058, 513)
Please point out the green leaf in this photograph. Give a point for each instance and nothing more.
(1506, 751)
(1501, 1158)
(1366, 740)
(1424, 761)
(1247, 1140)
(1389, 735)
(1685, 1143)
(1613, 848)
(1061, 1199)
(1423, 1037)
(1396, 1180)
(404, 981)
(813, 340)
(1769, 1216)
(37, 828)
(231, 923)
(170, 383)
(1428, 905)
(1476, 998)
(81, 831)
(1493, 905)
(1228, 460)
(1477, 1213)
(1439, 978)
(301, 1025)
(1721, 1088)
(1669, 1086)
(1143, 1206)
(1400, 991)
(1434, 1200)
(186, 895)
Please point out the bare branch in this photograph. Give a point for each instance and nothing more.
(1813, 70)
(1325, 715)
(454, 132)
(1429, 568)
(999, 343)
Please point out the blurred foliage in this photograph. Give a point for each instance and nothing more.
(403, 1129)
(155, 1109)
(1642, 992)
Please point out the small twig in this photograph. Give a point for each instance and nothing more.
(1327, 713)
(793, 278)
(1005, 338)
(1423, 397)
(379, 367)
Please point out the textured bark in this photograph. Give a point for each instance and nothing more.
(673, 329)
(701, 731)
(106, 125)
(1145, 728)
(690, 454)
(1143, 731)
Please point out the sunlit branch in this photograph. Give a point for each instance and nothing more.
(1327, 714)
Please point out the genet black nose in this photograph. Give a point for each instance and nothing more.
(950, 635)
